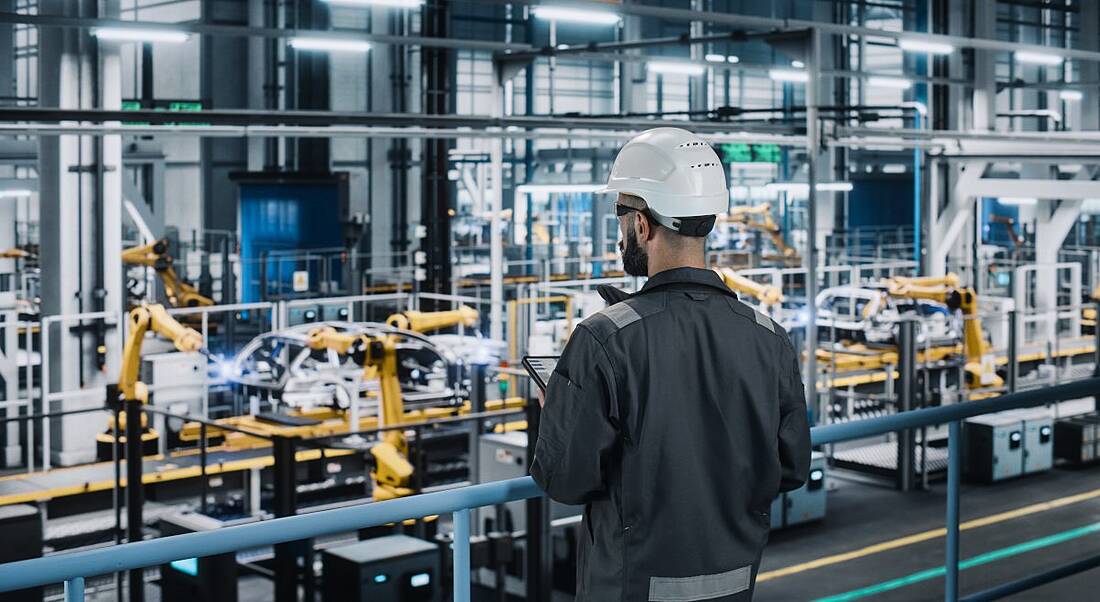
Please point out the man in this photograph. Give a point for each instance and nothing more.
(678, 414)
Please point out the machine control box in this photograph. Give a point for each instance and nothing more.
(212, 578)
(1008, 444)
(395, 568)
(805, 504)
(1038, 425)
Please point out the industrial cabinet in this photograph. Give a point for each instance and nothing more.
(805, 504)
(1038, 425)
(210, 578)
(1009, 444)
(395, 568)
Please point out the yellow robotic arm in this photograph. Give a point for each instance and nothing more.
(766, 294)
(15, 253)
(419, 321)
(155, 255)
(945, 289)
(759, 217)
(378, 356)
(144, 318)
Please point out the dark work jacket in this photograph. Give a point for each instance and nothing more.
(675, 416)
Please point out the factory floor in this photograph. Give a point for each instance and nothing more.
(879, 544)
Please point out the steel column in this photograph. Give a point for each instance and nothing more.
(1096, 352)
(813, 144)
(462, 555)
(954, 466)
(286, 554)
(907, 372)
(436, 188)
(539, 562)
(135, 497)
(1013, 350)
(205, 490)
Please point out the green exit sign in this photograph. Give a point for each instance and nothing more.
(750, 153)
(184, 106)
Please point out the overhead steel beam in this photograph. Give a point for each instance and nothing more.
(1034, 188)
(767, 23)
(659, 12)
(597, 47)
(267, 32)
(277, 131)
(244, 117)
(1088, 138)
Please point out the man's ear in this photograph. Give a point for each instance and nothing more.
(643, 228)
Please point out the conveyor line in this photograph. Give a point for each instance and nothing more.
(76, 480)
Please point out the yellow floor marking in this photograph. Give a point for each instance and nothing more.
(927, 535)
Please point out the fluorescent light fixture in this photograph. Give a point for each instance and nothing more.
(789, 75)
(389, 3)
(804, 188)
(733, 59)
(329, 45)
(898, 83)
(1018, 201)
(15, 193)
(128, 34)
(536, 188)
(894, 168)
(928, 47)
(798, 64)
(1071, 95)
(1037, 58)
(715, 58)
(576, 15)
(675, 67)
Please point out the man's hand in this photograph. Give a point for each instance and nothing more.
(542, 398)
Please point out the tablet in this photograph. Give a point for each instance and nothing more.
(540, 368)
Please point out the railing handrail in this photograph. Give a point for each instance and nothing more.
(914, 419)
(58, 568)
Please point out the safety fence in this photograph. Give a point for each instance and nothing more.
(61, 363)
(72, 568)
(50, 361)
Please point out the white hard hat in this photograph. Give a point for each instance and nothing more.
(678, 175)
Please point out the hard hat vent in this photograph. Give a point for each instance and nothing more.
(695, 144)
(702, 165)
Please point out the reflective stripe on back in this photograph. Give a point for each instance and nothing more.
(700, 587)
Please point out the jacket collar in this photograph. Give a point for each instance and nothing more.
(685, 276)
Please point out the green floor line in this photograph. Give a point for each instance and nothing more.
(978, 560)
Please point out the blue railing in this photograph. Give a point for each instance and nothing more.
(73, 567)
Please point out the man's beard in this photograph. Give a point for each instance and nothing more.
(635, 260)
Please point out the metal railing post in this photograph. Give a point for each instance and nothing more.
(1013, 351)
(539, 568)
(74, 590)
(462, 555)
(954, 465)
(907, 380)
(1096, 353)
(134, 493)
(202, 466)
